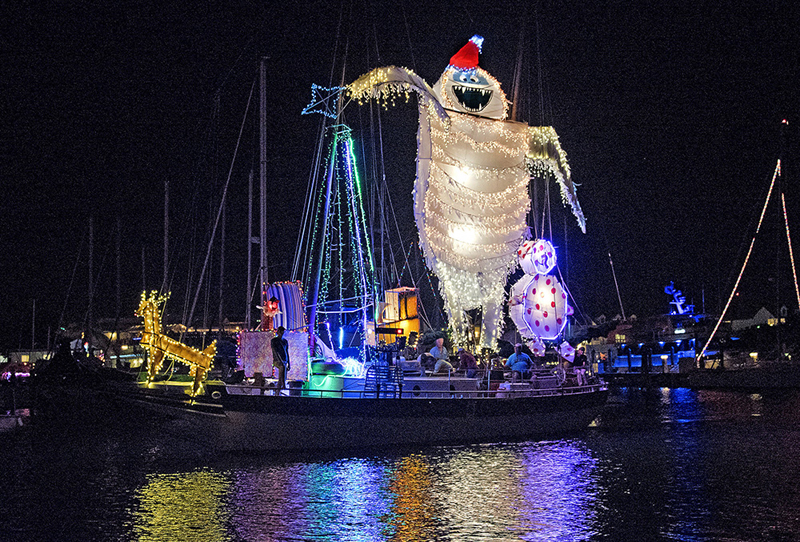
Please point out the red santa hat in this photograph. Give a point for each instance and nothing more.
(467, 57)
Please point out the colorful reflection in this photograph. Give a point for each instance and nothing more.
(184, 506)
(341, 500)
(414, 509)
(541, 491)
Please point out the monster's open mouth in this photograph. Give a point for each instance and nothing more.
(472, 99)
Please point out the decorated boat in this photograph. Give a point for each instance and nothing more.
(348, 383)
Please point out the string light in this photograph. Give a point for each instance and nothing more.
(744, 265)
(160, 347)
(346, 243)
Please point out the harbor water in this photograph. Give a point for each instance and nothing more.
(661, 464)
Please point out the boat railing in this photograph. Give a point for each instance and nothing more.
(510, 393)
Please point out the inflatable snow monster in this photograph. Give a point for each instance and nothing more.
(538, 304)
(471, 191)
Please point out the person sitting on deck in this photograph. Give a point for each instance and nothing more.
(439, 353)
(467, 363)
(519, 362)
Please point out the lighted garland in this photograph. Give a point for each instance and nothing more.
(500, 226)
(346, 244)
(488, 203)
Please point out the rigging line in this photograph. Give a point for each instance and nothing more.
(311, 190)
(434, 293)
(574, 301)
(549, 212)
(517, 79)
(616, 285)
(315, 205)
(539, 67)
(303, 254)
(375, 38)
(408, 37)
(335, 48)
(233, 66)
(96, 279)
(415, 282)
(219, 212)
(791, 253)
(344, 67)
(71, 281)
(744, 265)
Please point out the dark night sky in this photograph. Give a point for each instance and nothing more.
(670, 114)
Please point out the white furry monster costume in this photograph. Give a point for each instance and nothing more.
(471, 192)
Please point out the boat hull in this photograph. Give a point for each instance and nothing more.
(222, 421)
(254, 422)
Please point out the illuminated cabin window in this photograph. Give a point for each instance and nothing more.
(619, 338)
(25, 358)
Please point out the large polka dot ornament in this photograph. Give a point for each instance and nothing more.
(537, 256)
(542, 307)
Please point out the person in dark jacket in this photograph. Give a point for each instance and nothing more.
(280, 357)
(579, 366)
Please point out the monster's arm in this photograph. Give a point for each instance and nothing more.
(545, 155)
(390, 83)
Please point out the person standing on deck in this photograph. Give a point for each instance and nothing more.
(280, 357)
(579, 366)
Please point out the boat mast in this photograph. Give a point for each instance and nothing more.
(263, 180)
(776, 179)
(166, 236)
(250, 240)
(89, 315)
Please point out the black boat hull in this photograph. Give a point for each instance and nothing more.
(256, 422)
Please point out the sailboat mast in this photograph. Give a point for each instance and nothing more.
(166, 235)
(248, 297)
(90, 316)
(263, 178)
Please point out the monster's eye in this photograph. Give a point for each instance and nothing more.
(463, 77)
(473, 78)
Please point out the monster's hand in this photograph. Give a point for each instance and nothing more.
(545, 155)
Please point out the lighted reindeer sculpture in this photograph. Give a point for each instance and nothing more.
(160, 347)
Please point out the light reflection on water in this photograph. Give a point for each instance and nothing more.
(659, 465)
(182, 506)
(535, 491)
